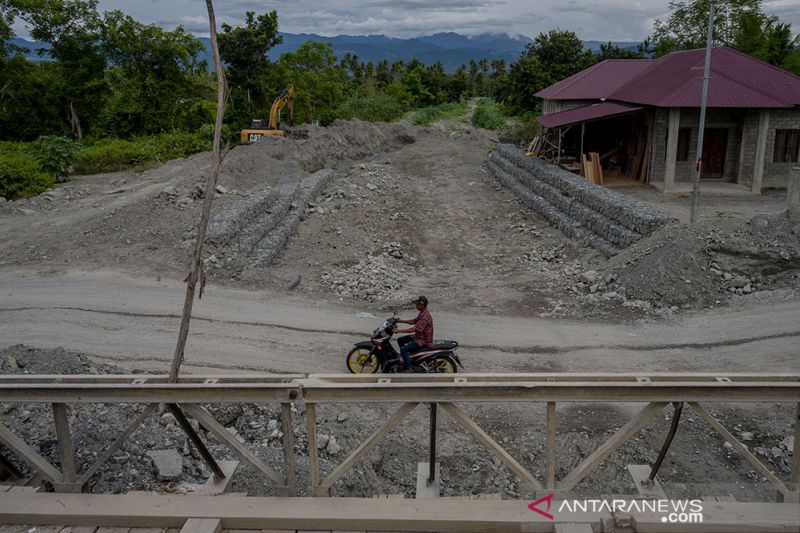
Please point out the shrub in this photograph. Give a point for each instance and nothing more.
(487, 115)
(111, 155)
(55, 155)
(521, 131)
(20, 175)
(374, 108)
(428, 115)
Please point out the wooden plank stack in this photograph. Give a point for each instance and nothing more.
(638, 168)
(592, 170)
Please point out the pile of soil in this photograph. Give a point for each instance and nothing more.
(426, 192)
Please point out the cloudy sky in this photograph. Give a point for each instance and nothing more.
(616, 20)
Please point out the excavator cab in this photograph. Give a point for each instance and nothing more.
(257, 129)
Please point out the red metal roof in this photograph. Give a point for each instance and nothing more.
(597, 81)
(585, 114)
(675, 80)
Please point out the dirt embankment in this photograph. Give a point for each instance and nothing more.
(699, 463)
(409, 211)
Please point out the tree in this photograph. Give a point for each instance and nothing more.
(29, 106)
(766, 38)
(318, 79)
(740, 24)
(158, 82)
(71, 28)
(244, 52)
(498, 68)
(420, 95)
(6, 32)
(551, 58)
(612, 51)
(687, 24)
(561, 54)
(525, 77)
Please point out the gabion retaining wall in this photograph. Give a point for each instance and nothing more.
(601, 218)
(258, 226)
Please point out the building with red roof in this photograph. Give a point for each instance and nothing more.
(643, 116)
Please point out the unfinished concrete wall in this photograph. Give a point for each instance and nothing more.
(603, 219)
(747, 148)
(732, 120)
(777, 174)
(740, 156)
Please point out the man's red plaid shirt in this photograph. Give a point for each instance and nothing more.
(423, 329)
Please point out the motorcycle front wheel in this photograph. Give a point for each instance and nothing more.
(362, 361)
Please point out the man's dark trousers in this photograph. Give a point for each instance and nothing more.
(407, 346)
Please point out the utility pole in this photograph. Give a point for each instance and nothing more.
(197, 275)
(701, 129)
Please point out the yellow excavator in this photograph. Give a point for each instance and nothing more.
(257, 129)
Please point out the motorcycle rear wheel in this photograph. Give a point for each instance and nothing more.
(362, 361)
(442, 365)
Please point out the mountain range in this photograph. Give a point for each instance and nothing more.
(452, 49)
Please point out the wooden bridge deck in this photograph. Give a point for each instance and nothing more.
(153, 513)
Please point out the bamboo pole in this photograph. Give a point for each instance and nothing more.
(197, 273)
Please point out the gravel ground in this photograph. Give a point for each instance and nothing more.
(700, 463)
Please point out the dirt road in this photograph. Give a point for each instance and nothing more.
(134, 322)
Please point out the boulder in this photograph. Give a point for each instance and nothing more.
(168, 464)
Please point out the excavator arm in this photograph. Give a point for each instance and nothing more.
(286, 99)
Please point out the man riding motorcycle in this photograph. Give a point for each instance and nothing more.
(422, 330)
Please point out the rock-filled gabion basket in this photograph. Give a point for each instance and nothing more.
(591, 214)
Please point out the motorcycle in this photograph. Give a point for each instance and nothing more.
(378, 355)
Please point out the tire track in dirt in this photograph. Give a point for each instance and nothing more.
(516, 350)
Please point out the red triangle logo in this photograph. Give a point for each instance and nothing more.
(534, 506)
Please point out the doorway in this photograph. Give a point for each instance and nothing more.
(715, 146)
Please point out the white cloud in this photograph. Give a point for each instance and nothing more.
(618, 20)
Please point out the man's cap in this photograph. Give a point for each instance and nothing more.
(420, 300)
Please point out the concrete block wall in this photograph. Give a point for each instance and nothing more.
(594, 215)
(660, 144)
(740, 156)
(732, 120)
(715, 118)
(747, 149)
(777, 174)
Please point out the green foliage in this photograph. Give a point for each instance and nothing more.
(111, 155)
(487, 115)
(55, 155)
(428, 115)
(420, 94)
(28, 105)
(551, 58)
(740, 24)
(6, 32)
(521, 130)
(525, 78)
(374, 108)
(155, 78)
(318, 79)
(612, 51)
(20, 175)
(71, 28)
(560, 54)
(244, 52)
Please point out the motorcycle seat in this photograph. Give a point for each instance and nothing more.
(444, 345)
